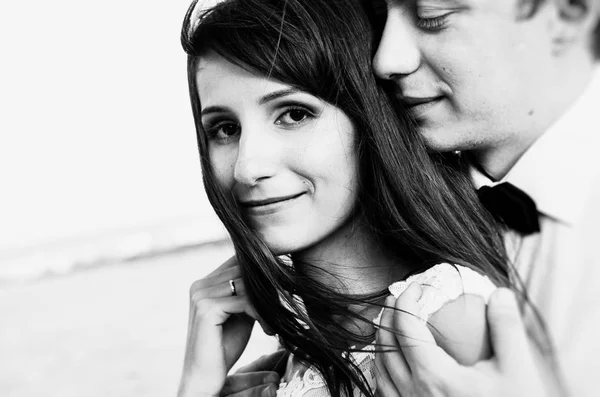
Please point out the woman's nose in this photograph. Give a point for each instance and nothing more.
(256, 158)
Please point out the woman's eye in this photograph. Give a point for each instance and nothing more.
(223, 131)
(293, 116)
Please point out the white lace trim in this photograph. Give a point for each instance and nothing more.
(443, 283)
(312, 384)
(299, 386)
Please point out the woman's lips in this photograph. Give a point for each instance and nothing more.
(269, 205)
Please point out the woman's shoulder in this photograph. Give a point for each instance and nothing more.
(459, 325)
(443, 283)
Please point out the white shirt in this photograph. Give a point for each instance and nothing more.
(561, 265)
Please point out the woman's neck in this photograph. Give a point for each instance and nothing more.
(351, 262)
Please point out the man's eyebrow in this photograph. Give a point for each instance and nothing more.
(276, 94)
(213, 109)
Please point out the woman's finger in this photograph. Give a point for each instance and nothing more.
(218, 334)
(240, 382)
(225, 290)
(266, 390)
(388, 349)
(220, 277)
(228, 264)
(275, 362)
(216, 311)
(221, 289)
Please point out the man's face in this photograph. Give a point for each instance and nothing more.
(475, 73)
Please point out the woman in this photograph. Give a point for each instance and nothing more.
(329, 196)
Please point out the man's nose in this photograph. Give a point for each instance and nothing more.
(256, 157)
(398, 53)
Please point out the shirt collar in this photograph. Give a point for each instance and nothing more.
(557, 169)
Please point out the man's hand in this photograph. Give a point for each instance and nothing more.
(417, 366)
(257, 379)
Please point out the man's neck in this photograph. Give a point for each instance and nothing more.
(496, 162)
(498, 159)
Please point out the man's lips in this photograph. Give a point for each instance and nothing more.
(416, 101)
(269, 201)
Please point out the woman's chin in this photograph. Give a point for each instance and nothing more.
(281, 248)
(283, 244)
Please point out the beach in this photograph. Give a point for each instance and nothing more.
(112, 331)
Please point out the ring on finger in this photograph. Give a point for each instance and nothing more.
(232, 286)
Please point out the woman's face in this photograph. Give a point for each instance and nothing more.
(288, 157)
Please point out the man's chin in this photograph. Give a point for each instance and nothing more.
(442, 140)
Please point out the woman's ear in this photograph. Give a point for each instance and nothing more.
(576, 21)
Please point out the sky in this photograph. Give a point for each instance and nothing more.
(96, 131)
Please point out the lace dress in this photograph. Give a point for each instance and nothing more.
(441, 283)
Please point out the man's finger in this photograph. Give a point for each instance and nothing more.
(385, 385)
(270, 362)
(388, 350)
(414, 337)
(249, 382)
(507, 330)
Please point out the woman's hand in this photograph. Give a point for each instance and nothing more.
(220, 324)
(257, 379)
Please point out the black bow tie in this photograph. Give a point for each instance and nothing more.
(511, 206)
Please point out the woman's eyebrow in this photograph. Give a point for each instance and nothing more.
(276, 94)
(261, 101)
(213, 109)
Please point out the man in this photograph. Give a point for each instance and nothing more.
(514, 85)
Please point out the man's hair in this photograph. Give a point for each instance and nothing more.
(596, 35)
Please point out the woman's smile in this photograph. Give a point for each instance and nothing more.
(270, 205)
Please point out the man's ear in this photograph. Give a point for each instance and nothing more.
(575, 24)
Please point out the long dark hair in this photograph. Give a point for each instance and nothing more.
(419, 206)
